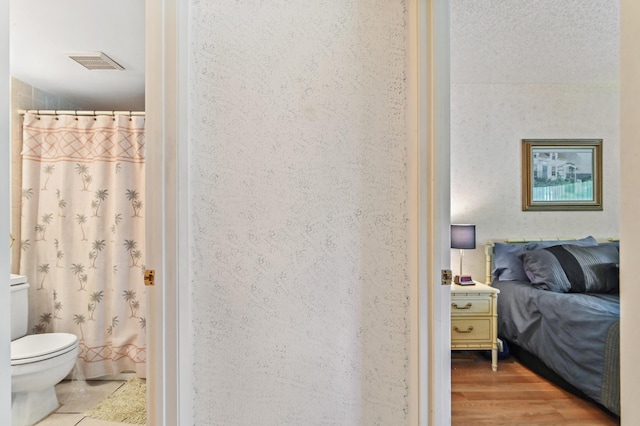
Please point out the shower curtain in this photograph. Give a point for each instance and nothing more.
(82, 243)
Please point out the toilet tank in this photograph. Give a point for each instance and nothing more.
(19, 306)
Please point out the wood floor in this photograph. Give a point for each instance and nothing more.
(513, 396)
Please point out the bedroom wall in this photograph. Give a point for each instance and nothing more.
(522, 69)
(299, 212)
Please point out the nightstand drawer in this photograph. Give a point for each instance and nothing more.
(467, 329)
(470, 306)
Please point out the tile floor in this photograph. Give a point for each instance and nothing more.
(77, 398)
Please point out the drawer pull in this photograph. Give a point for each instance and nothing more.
(468, 330)
(467, 306)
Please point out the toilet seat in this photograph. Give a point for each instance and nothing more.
(38, 347)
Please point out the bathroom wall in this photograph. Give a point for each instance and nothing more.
(24, 96)
(298, 116)
(527, 70)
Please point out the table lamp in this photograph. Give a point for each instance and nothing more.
(463, 237)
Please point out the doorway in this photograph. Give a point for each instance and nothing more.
(493, 201)
(49, 102)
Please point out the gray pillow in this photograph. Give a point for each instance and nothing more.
(507, 266)
(571, 268)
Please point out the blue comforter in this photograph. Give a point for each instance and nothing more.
(574, 334)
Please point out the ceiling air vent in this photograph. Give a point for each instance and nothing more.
(95, 61)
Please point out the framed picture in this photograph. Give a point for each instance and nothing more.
(561, 174)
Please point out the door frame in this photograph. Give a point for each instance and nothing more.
(169, 373)
(5, 163)
(429, 117)
(629, 225)
(440, 209)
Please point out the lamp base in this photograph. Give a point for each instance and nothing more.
(463, 280)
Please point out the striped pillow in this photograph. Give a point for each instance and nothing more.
(570, 268)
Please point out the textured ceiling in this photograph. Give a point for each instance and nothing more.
(43, 33)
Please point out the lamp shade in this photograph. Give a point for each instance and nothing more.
(463, 236)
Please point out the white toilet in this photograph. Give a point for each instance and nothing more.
(38, 362)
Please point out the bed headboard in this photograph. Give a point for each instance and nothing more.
(490, 244)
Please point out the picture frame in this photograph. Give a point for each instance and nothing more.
(561, 174)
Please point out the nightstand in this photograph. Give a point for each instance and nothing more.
(474, 319)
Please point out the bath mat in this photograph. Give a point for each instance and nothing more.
(128, 404)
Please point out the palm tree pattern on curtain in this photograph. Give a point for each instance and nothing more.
(82, 242)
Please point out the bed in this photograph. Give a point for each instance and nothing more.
(559, 311)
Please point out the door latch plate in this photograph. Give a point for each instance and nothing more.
(447, 275)
(149, 277)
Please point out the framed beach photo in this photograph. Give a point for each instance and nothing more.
(561, 174)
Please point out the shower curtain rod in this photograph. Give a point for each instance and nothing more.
(83, 113)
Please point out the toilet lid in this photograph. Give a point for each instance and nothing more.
(36, 347)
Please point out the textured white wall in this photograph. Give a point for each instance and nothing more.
(299, 192)
(527, 70)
